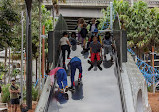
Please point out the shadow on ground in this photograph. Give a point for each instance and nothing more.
(85, 55)
(78, 94)
(107, 64)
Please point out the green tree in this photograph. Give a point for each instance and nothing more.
(135, 20)
(8, 19)
(46, 20)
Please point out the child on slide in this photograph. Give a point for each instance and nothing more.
(107, 45)
(95, 51)
(61, 77)
(75, 63)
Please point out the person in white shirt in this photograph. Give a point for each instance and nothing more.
(65, 46)
(93, 25)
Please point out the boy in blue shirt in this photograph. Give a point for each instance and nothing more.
(75, 63)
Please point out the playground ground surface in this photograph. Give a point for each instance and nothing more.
(154, 101)
(33, 107)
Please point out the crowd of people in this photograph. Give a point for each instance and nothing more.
(92, 42)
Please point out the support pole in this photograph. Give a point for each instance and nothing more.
(21, 78)
(29, 62)
(39, 47)
(132, 2)
(111, 15)
(43, 56)
(53, 34)
(153, 52)
(9, 64)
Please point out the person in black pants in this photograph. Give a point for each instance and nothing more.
(65, 46)
(84, 33)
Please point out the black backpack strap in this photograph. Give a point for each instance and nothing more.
(14, 87)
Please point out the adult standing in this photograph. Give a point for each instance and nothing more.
(65, 46)
(14, 96)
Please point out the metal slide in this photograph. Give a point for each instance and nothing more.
(99, 92)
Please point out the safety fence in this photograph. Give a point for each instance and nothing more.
(148, 71)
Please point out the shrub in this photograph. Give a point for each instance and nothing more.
(5, 93)
(34, 94)
(149, 89)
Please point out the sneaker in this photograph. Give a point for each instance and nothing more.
(72, 88)
(68, 58)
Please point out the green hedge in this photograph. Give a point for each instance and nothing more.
(5, 93)
(34, 94)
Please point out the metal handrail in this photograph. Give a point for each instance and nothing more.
(45, 106)
(119, 69)
(52, 89)
(120, 82)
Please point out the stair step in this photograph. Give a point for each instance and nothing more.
(72, 22)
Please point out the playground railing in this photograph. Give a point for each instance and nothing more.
(148, 71)
(120, 82)
(48, 92)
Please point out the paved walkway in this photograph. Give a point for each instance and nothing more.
(99, 93)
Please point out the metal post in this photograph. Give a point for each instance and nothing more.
(153, 52)
(111, 15)
(21, 78)
(132, 2)
(9, 64)
(53, 34)
(121, 50)
(43, 56)
(29, 62)
(39, 46)
(53, 15)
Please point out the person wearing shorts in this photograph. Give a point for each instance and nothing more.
(14, 96)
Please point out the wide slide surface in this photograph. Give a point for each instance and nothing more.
(99, 92)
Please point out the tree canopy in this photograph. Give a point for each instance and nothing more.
(141, 23)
